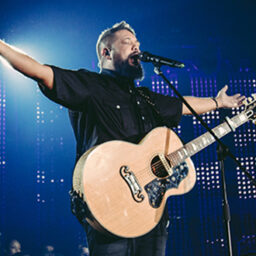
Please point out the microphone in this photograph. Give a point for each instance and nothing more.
(148, 57)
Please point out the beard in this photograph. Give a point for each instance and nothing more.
(124, 68)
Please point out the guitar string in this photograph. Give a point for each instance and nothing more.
(175, 159)
(141, 173)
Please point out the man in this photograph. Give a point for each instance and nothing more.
(49, 250)
(82, 250)
(107, 106)
(15, 248)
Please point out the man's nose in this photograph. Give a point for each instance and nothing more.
(136, 47)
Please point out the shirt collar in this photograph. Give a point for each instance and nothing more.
(123, 81)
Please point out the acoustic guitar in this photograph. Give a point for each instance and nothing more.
(125, 186)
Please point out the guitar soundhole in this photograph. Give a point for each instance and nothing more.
(157, 168)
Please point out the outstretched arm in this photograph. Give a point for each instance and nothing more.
(222, 100)
(26, 65)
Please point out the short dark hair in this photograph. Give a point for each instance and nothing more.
(108, 33)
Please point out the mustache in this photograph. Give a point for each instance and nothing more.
(134, 55)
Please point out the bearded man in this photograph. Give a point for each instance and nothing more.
(107, 106)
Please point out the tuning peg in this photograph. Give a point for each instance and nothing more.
(253, 96)
(246, 101)
(249, 100)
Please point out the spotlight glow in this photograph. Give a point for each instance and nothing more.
(5, 63)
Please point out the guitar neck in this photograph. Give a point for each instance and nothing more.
(207, 139)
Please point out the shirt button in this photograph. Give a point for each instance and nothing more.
(138, 102)
(143, 118)
(130, 91)
(118, 106)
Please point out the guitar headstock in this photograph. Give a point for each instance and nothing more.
(250, 107)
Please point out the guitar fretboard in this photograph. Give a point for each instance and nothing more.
(207, 139)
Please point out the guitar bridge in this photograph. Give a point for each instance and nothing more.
(132, 182)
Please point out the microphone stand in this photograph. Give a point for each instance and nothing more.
(222, 152)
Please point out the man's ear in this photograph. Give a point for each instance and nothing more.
(106, 53)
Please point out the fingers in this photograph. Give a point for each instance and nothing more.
(225, 88)
(241, 100)
(238, 100)
(223, 91)
(237, 95)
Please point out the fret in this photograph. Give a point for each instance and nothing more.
(240, 119)
(206, 139)
(178, 156)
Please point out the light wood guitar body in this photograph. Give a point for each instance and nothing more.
(109, 197)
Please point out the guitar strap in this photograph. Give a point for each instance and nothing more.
(144, 93)
(78, 207)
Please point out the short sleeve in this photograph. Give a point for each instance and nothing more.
(71, 89)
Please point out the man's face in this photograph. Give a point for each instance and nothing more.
(15, 247)
(124, 47)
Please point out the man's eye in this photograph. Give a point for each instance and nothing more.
(127, 41)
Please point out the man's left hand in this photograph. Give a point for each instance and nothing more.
(225, 101)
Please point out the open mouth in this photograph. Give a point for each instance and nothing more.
(134, 60)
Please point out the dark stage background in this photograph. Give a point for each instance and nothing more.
(215, 39)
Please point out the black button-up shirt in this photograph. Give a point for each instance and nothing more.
(106, 106)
